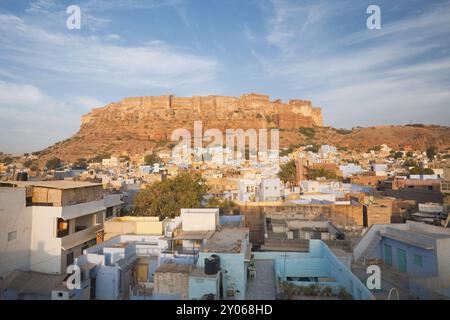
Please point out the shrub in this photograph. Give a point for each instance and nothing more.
(308, 132)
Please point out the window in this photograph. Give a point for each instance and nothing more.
(69, 258)
(12, 236)
(109, 212)
(62, 228)
(388, 254)
(418, 260)
(99, 217)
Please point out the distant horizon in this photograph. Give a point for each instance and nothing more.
(320, 51)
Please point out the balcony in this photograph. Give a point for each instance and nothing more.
(80, 237)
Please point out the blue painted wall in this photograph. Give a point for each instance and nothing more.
(200, 286)
(234, 271)
(429, 259)
(318, 262)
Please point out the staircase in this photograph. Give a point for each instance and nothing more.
(368, 251)
(263, 286)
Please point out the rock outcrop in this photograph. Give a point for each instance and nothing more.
(155, 118)
(140, 124)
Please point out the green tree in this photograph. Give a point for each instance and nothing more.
(225, 205)
(431, 152)
(409, 163)
(166, 198)
(398, 155)
(80, 163)
(417, 170)
(287, 172)
(7, 160)
(53, 164)
(27, 163)
(321, 172)
(151, 158)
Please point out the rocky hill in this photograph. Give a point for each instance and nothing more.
(416, 137)
(140, 124)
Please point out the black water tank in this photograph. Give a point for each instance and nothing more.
(212, 264)
(217, 258)
(22, 176)
(340, 236)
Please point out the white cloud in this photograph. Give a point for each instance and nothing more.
(87, 58)
(395, 75)
(31, 120)
(37, 55)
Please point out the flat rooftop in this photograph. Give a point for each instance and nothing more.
(192, 235)
(174, 268)
(30, 282)
(199, 272)
(54, 184)
(227, 240)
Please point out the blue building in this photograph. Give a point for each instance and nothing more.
(258, 275)
(418, 250)
(318, 266)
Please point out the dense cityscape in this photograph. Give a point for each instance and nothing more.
(211, 158)
(302, 223)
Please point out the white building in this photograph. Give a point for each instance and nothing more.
(248, 190)
(49, 223)
(270, 190)
(379, 169)
(111, 162)
(350, 169)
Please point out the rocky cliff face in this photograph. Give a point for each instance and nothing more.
(140, 124)
(154, 118)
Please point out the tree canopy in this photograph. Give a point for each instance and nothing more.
(418, 170)
(431, 152)
(225, 205)
(166, 198)
(151, 158)
(287, 172)
(53, 163)
(321, 172)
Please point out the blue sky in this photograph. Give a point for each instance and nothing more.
(317, 50)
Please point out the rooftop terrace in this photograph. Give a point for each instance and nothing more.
(56, 184)
(227, 240)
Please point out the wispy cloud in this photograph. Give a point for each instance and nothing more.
(30, 119)
(36, 52)
(403, 67)
(153, 64)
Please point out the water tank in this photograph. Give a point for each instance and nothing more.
(212, 264)
(22, 176)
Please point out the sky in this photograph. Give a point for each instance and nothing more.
(317, 50)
